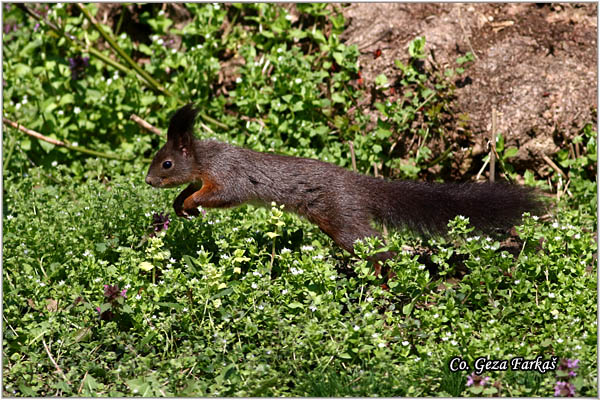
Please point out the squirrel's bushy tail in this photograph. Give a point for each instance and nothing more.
(427, 207)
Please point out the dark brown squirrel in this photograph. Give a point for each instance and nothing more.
(341, 202)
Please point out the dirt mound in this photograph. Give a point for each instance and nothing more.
(535, 64)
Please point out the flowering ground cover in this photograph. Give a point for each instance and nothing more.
(107, 293)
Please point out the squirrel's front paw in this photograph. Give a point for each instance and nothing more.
(189, 212)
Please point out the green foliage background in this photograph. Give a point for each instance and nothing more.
(250, 301)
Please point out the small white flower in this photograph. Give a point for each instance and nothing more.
(313, 308)
(578, 347)
(298, 81)
(436, 315)
(535, 217)
(256, 273)
(405, 343)
(185, 309)
(381, 345)
(254, 285)
(551, 295)
(261, 307)
(356, 328)
(160, 41)
(375, 335)
(555, 225)
(60, 112)
(109, 81)
(369, 299)
(577, 236)
(318, 257)
(284, 291)
(138, 296)
(9, 217)
(307, 248)
(559, 340)
(517, 281)
(453, 342)
(61, 283)
(238, 80)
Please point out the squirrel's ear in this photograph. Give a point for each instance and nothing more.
(181, 127)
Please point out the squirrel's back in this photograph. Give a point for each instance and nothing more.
(312, 187)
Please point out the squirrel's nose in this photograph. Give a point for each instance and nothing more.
(148, 180)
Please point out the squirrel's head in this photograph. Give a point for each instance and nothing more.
(173, 164)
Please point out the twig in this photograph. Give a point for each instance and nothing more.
(384, 227)
(552, 165)
(482, 168)
(149, 79)
(32, 133)
(493, 147)
(54, 362)
(441, 157)
(145, 124)
(74, 42)
(63, 143)
(465, 36)
(82, 382)
(206, 128)
(155, 84)
(352, 155)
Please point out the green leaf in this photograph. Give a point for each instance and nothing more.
(46, 146)
(146, 266)
(416, 48)
(82, 334)
(295, 304)
(510, 152)
(337, 98)
(66, 98)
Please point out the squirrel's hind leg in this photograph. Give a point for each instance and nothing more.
(346, 232)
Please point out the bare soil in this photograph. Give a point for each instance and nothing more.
(535, 64)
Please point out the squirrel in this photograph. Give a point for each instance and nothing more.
(341, 202)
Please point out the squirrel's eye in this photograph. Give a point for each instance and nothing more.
(167, 164)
